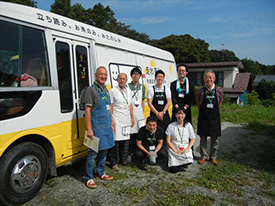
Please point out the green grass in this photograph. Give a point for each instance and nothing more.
(256, 117)
(228, 176)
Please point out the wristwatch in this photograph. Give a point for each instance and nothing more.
(164, 112)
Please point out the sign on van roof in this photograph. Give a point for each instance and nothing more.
(64, 24)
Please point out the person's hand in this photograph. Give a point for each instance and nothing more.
(160, 116)
(176, 106)
(149, 154)
(180, 152)
(155, 154)
(113, 126)
(90, 134)
(186, 150)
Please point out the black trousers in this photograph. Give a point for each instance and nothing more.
(162, 153)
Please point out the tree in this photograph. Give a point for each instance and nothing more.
(223, 56)
(31, 3)
(101, 17)
(184, 48)
(252, 66)
(78, 12)
(62, 7)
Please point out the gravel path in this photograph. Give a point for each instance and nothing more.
(140, 186)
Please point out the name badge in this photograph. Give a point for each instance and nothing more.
(160, 102)
(181, 95)
(152, 148)
(108, 107)
(209, 106)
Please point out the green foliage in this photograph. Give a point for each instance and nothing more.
(253, 67)
(253, 98)
(257, 117)
(223, 56)
(78, 12)
(184, 48)
(226, 177)
(31, 3)
(98, 16)
(62, 7)
(265, 89)
(172, 194)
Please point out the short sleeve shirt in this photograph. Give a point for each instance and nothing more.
(150, 94)
(143, 136)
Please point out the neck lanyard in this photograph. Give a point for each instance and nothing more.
(103, 94)
(181, 135)
(123, 95)
(136, 92)
(153, 139)
(210, 98)
(178, 88)
(159, 94)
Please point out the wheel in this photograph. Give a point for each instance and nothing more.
(23, 171)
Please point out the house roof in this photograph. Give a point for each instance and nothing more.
(216, 64)
(267, 77)
(240, 83)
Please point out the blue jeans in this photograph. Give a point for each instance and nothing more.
(100, 164)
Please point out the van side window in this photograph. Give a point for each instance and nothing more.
(64, 76)
(23, 56)
(82, 73)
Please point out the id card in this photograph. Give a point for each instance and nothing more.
(152, 148)
(209, 106)
(181, 95)
(160, 102)
(141, 123)
(126, 130)
(108, 107)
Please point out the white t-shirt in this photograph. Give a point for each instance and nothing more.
(150, 94)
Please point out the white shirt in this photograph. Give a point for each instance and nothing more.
(151, 93)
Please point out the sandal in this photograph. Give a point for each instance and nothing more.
(91, 184)
(104, 177)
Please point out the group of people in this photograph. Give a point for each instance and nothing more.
(117, 118)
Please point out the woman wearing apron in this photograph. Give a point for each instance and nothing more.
(159, 99)
(180, 139)
(123, 118)
(209, 101)
(138, 97)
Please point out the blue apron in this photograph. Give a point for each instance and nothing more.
(102, 123)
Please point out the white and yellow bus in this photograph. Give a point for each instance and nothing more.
(46, 61)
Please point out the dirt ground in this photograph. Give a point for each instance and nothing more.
(130, 182)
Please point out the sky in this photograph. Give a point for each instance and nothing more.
(246, 27)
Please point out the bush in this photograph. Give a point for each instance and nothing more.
(253, 98)
(265, 89)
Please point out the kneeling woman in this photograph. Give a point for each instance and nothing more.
(180, 139)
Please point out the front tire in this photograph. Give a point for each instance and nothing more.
(23, 170)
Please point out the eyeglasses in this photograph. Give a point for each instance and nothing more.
(181, 71)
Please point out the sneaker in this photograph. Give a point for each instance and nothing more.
(91, 184)
(215, 162)
(143, 162)
(104, 177)
(115, 167)
(201, 161)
